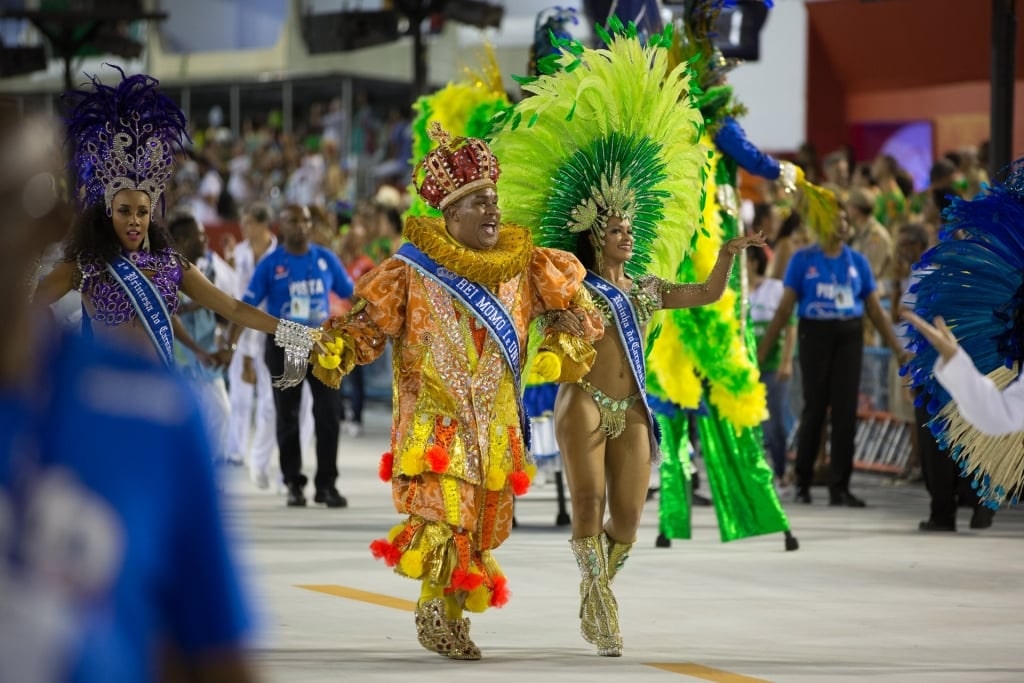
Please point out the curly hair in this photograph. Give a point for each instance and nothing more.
(92, 236)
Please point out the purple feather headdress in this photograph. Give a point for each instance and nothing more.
(124, 138)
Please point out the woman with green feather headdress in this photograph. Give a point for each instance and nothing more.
(608, 166)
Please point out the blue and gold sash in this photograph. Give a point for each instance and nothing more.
(148, 304)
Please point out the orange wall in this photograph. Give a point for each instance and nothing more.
(959, 112)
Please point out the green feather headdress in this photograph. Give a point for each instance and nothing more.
(606, 132)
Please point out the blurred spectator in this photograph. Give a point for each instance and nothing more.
(891, 202)
(389, 231)
(200, 325)
(294, 280)
(250, 394)
(777, 368)
(792, 237)
(837, 172)
(115, 564)
(239, 172)
(870, 238)
(357, 264)
(940, 193)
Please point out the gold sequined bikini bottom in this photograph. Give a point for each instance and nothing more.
(612, 410)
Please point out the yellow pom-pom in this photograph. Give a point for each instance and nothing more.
(395, 530)
(330, 362)
(412, 462)
(478, 599)
(495, 479)
(531, 471)
(411, 563)
(547, 367)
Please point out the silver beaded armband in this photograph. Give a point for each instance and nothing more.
(297, 341)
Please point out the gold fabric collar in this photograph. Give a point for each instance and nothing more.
(509, 257)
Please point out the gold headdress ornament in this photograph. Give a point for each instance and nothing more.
(610, 197)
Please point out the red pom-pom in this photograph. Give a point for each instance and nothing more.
(520, 482)
(500, 592)
(437, 459)
(383, 549)
(387, 467)
(465, 581)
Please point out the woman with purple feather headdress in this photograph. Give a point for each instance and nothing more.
(123, 139)
(967, 365)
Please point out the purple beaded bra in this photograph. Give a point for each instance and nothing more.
(111, 302)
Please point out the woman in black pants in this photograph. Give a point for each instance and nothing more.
(834, 288)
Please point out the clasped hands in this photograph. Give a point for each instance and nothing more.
(565, 321)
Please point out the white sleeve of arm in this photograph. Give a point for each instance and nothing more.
(981, 403)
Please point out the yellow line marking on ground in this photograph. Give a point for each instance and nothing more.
(707, 673)
(689, 669)
(364, 596)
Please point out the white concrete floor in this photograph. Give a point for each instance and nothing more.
(866, 598)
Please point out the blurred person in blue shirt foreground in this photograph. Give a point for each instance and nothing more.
(114, 561)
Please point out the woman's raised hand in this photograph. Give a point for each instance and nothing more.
(738, 244)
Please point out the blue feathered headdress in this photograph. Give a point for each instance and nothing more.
(123, 137)
(974, 279)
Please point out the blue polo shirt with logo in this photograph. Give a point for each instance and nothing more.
(829, 288)
(285, 279)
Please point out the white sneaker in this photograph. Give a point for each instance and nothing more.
(352, 429)
(259, 479)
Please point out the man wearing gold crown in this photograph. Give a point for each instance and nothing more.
(456, 301)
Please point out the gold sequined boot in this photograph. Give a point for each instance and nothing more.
(599, 613)
(464, 647)
(618, 553)
(432, 627)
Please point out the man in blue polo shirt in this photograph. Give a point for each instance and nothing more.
(295, 279)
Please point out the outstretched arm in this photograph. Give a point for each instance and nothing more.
(197, 287)
(687, 295)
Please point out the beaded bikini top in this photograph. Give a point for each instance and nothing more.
(110, 301)
(644, 295)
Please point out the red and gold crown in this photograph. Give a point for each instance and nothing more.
(457, 167)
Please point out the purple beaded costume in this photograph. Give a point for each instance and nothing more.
(110, 301)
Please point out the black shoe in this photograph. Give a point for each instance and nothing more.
(803, 495)
(845, 499)
(296, 498)
(932, 525)
(331, 498)
(982, 518)
(701, 501)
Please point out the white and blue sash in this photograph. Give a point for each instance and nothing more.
(149, 306)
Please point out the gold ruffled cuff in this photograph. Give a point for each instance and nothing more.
(330, 365)
(577, 355)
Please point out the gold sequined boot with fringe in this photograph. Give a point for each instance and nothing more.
(599, 613)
